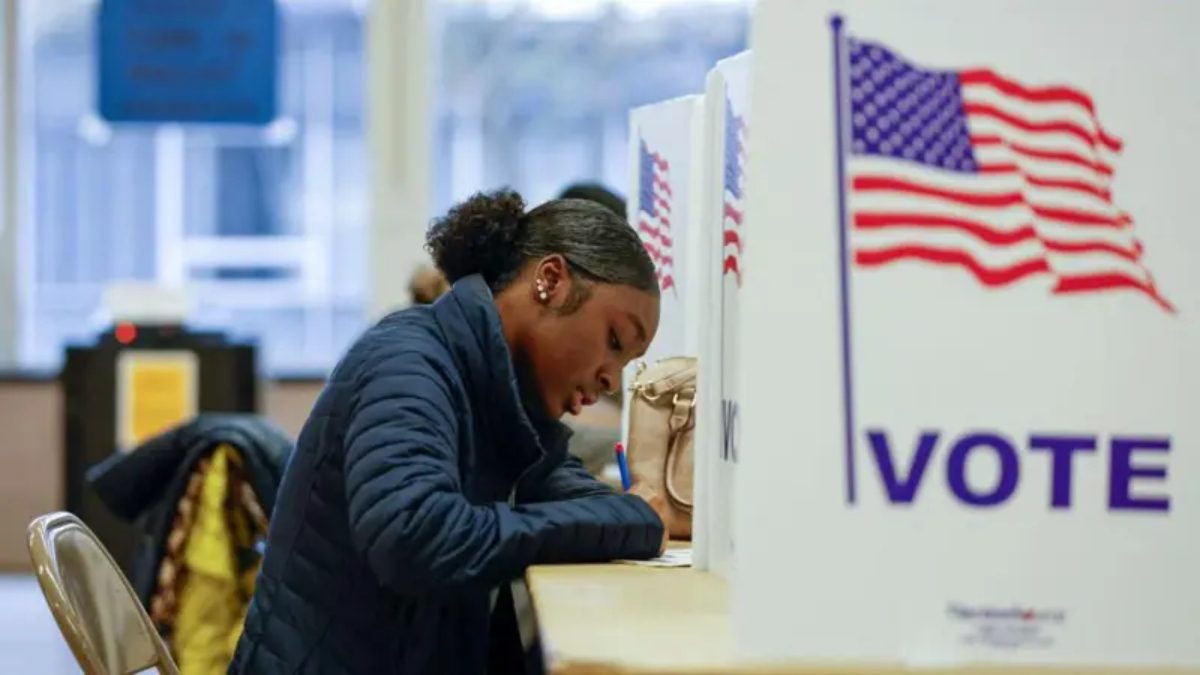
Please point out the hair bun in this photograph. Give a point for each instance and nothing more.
(482, 235)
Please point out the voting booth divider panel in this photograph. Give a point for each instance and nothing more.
(967, 333)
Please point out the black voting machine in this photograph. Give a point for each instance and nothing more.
(226, 381)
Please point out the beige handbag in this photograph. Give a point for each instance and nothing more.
(662, 420)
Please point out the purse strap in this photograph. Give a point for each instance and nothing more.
(651, 383)
(683, 418)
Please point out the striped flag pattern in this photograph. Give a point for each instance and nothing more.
(972, 169)
(735, 183)
(654, 214)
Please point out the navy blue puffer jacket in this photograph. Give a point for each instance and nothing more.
(393, 523)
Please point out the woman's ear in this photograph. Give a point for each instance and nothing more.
(553, 279)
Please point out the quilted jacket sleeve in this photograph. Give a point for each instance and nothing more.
(410, 520)
(570, 480)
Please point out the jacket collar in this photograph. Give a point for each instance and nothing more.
(468, 315)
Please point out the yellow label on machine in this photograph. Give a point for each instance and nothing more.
(156, 390)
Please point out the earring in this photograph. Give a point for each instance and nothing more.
(542, 294)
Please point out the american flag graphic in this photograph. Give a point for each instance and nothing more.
(654, 213)
(975, 170)
(735, 183)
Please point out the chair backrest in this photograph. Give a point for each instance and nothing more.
(96, 609)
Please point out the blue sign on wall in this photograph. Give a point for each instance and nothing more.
(188, 61)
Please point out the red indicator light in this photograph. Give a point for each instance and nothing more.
(125, 333)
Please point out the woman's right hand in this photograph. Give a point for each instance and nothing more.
(659, 504)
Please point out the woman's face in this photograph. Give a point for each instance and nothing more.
(577, 356)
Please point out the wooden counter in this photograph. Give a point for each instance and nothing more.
(625, 619)
(629, 619)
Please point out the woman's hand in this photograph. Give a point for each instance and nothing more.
(659, 504)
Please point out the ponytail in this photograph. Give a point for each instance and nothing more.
(482, 235)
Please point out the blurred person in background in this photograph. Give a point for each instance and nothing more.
(427, 285)
(433, 469)
(595, 192)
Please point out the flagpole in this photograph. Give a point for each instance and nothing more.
(839, 98)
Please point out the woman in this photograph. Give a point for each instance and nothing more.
(433, 468)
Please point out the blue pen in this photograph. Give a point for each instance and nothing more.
(623, 465)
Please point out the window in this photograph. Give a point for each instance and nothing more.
(535, 94)
(267, 225)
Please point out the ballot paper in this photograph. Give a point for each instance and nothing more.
(675, 557)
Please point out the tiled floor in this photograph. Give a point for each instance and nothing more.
(30, 643)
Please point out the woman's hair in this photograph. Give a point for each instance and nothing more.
(490, 234)
(595, 192)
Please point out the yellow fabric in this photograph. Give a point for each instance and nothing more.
(214, 595)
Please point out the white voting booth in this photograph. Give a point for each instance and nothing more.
(665, 166)
(968, 338)
(726, 118)
(687, 159)
(661, 165)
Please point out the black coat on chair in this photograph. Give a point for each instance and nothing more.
(144, 486)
